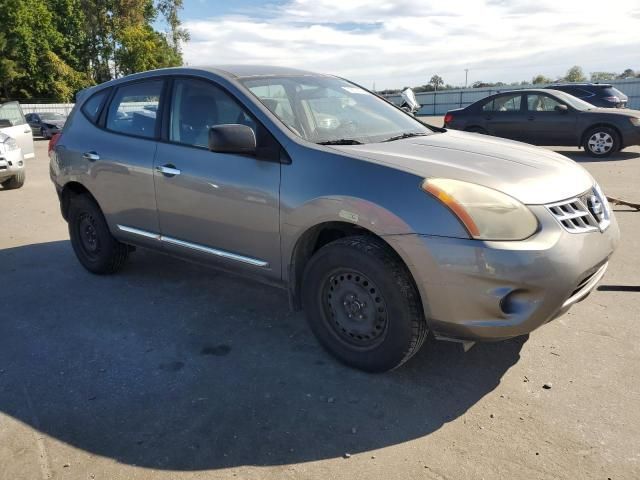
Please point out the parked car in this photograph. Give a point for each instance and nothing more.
(12, 169)
(602, 95)
(380, 227)
(46, 124)
(14, 124)
(549, 117)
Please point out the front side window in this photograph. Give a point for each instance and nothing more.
(323, 109)
(197, 106)
(541, 103)
(134, 107)
(505, 103)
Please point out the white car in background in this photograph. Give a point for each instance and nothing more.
(16, 145)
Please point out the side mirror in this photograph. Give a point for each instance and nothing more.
(5, 123)
(562, 108)
(232, 138)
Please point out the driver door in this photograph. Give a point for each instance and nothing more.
(217, 207)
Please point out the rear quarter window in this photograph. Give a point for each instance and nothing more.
(93, 106)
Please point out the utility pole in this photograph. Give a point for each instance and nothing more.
(466, 77)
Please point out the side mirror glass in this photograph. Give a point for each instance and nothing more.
(561, 108)
(232, 138)
(5, 123)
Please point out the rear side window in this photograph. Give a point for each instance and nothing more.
(133, 110)
(91, 107)
(506, 103)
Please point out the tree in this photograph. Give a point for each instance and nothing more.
(628, 73)
(52, 48)
(538, 79)
(436, 81)
(575, 74)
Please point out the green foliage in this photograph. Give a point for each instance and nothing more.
(602, 76)
(53, 48)
(540, 79)
(575, 74)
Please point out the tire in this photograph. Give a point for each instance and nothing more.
(362, 305)
(17, 181)
(97, 250)
(600, 142)
(476, 130)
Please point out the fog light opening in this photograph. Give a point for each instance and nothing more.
(513, 302)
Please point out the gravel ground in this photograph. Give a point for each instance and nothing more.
(172, 371)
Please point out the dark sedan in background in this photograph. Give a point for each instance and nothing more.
(549, 117)
(602, 95)
(46, 124)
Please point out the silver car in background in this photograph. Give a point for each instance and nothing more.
(382, 228)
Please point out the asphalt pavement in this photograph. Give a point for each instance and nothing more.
(170, 370)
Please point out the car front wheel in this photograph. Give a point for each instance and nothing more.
(97, 250)
(362, 304)
(17, 181)
(601, 142)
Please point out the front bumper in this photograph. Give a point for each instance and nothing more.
(11, 163)
(473, 290)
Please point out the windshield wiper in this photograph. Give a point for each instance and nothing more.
(405, 135)
(341, 141)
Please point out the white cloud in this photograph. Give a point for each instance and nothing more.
(404, 42)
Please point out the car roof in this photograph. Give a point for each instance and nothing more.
(605, 85)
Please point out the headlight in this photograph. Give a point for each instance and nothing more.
(487, 214)
(7, 143)
(635, 121)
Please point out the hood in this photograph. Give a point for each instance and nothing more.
(530, 174)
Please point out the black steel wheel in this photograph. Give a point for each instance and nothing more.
(355, 309)
(362, 304)
(96, 249)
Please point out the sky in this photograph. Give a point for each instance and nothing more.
(404, 42)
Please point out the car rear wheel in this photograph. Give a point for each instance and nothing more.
(601, 141)
(97, 250)
(362, 304)
(17, 181)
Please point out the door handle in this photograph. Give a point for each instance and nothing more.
(532, 118)
(91, 156)
(27, 131)
(168, 170)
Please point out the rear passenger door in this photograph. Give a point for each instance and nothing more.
(505, 117)
(15, 125)
(117, 153)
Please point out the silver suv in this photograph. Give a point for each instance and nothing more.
(382, 228)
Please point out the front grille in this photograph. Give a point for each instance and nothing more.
(574, 216)
(588, 212)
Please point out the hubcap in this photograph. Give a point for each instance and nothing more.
(88, 234)
(600, 142)
(354, 309)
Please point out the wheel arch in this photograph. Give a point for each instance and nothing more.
(68, 191)
(319, 235)
(583, 137)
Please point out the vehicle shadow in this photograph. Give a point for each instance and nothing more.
(173, 366)
(583, 157)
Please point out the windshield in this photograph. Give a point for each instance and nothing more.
(573, 101)
(52, 116)
(331, 110)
